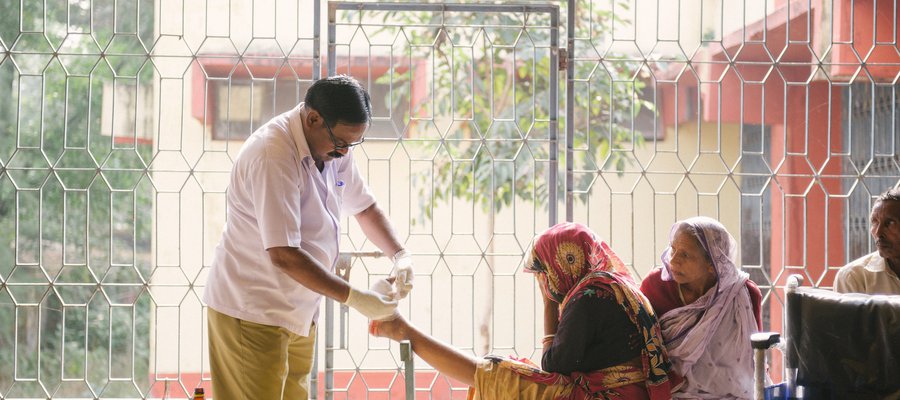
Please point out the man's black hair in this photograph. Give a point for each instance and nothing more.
(889, 195)
(340, 99)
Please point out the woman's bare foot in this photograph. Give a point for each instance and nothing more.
(396, 329)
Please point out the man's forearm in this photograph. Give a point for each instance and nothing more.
(377, 228)
(301, 267)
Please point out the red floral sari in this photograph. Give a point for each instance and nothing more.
(575, 263)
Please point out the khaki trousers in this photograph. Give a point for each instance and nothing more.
(250, 361)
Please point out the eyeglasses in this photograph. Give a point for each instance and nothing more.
(341, 146)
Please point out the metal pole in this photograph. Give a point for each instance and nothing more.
(329, 303)
(552, 191)
(332, 40)
(317, 37)
(570, 109)
(329, 348)
(409, 370)
(316, 74)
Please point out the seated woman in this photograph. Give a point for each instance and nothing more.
(602, 339)
(708, 308)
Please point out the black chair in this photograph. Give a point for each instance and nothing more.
(836, 346)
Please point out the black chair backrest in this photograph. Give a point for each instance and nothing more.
(844, 346)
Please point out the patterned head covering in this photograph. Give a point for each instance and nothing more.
(566, 253)
(719, 245)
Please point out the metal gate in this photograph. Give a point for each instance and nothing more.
(466, 128)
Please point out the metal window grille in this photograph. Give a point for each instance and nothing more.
(119, 122)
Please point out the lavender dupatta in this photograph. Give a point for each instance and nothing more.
(709, 339)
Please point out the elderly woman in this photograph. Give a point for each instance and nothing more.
(602, 339)
(708, 308)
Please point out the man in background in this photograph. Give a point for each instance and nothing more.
(877, 273)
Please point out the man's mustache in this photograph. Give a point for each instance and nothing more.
(335, 154)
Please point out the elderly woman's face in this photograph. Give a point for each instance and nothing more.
(689, 262)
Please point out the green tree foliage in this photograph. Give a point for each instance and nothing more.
(494, 83)
(75, 205)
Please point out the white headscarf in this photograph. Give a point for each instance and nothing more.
(709, 339)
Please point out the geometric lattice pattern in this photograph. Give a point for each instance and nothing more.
(119, 122)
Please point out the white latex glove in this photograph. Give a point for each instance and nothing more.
(403, 272)
(374, 305)
(384, 287)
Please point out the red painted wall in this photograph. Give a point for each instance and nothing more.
(806, 193)
(857, 56)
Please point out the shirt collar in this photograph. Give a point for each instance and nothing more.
(296, 127)
(876, 263)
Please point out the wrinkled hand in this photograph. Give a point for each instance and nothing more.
(403, 273)
(374, 305)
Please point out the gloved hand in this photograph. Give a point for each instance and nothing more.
(384, 287)
(374, 305)
(403, 273)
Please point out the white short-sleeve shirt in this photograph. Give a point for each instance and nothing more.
(868, 274)
(277, 197)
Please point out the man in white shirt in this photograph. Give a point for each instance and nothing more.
(290, 184)
(877, 273)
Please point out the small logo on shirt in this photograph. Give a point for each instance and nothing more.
(339, 183)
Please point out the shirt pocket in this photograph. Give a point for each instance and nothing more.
(339, 187)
